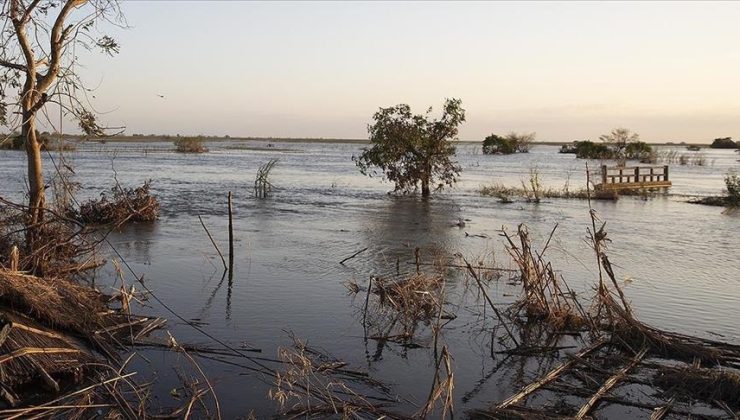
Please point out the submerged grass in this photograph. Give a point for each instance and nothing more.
(532, 195)
(313, 384)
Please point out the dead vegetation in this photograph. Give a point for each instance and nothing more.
(190, 145)
(62, 340)
(312, 384)
(416, 298)
(614, 351)
(121, 205)
(262, 184)
(61, 335)
(546, 296)
(616, 345)
(63, 248)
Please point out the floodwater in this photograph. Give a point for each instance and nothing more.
(678, 261)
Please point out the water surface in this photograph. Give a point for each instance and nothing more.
(678, 261)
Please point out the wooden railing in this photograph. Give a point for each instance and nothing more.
(634, 174)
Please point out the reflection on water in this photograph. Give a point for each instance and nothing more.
(678, 261)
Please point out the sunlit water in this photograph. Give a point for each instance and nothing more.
(678, 261)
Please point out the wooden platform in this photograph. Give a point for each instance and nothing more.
(633, 178)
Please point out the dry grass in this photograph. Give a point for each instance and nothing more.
(415, 297)
(190, 145)
(706, 384)
(121, 205)
(407, 302)
(315, 385)
(614, 334)
(62, 247)
(546, 296)
(58, 303)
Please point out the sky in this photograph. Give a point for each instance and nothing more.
(567, 71)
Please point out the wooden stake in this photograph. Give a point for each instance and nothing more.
(231, 237)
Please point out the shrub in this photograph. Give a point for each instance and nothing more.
(120, 206)
(732, 182)
(723, 143)
(509, 144)
(638, 150)
(495, 144)
(190, 145)
(589, 150)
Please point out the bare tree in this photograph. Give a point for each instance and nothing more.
(620, 138)
(38, 57)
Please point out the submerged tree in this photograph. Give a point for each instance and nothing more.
(619, 139)
(413, 150)
(39, 46)
(509, 144)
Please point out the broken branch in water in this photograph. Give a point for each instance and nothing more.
(213, 242)
(353, 255)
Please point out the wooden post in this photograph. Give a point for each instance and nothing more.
(603, 174)
(637, 174)
(231, 237)
(665, 173)
(417, 257)
(620, 175)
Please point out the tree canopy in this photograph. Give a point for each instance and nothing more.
(414, 150)
(724, 143)
(619, 138)
(40, 42)
(511, 143)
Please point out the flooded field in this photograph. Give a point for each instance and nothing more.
(677, 261)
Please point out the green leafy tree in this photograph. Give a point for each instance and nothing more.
(724, 143)
(511, 143)
(413, 150)
(494, 144)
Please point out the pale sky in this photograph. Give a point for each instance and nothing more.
(569, 71)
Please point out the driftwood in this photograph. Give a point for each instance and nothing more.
(353, 255)
(609, 384)
(551, 376)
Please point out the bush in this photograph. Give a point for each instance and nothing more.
(723, 143)
(732, 182)
(638, 150)
(509, 144)
(190, 145)
(589, 150)
(120, 206)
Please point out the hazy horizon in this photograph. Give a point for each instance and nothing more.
(568, 71)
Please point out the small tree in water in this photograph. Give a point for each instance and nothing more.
(413, 150)
(619, 139)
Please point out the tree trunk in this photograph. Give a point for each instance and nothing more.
(425, 186)
(36, 193)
